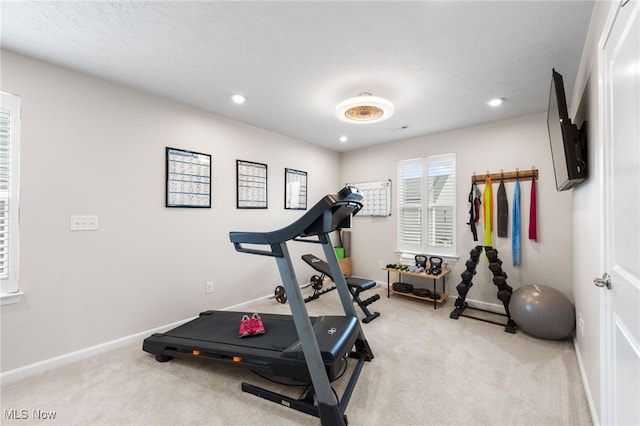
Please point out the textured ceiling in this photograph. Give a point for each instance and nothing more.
(438, 62)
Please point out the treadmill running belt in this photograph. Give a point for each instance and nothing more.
(223, 326)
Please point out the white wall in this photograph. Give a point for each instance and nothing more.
(587, 236)
(90, 147)
(519, 143)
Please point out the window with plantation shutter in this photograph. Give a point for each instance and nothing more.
(441, 201)
(426, 205)
(9, 195)
(410, 205)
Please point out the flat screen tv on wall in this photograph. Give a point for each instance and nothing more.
(568, 143)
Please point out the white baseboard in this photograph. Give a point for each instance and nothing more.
(585, 386)
(30, 370)
(240, 305)
(491, 307)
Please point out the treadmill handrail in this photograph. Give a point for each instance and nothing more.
(330, 213)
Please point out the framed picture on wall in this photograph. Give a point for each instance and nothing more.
(295, 189)
(251, 185)
(188, 179)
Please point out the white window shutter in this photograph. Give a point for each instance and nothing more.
(9, 191)
(441, 198)
(410, 205)
(427, 205)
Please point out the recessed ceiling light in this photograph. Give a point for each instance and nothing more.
(343, 138)
(495, 102)
(238, 99)
(364, 109)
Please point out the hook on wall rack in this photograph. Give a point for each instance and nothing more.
(506, 176)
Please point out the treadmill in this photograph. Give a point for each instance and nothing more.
(296, 349)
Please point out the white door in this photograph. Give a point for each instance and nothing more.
(620, 113)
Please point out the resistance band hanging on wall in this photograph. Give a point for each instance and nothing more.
(488, 211)
(515, 232)
(503, 206)
(533, 216)
(474, 210)
(503, 211)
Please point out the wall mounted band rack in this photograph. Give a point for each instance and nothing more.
(506, 176)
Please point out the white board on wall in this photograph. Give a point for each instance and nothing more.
(376, 197)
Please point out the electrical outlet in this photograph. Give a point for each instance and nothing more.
(83, 223)
(208, 287)
(381, 264)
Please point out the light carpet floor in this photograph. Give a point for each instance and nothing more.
(428, 370)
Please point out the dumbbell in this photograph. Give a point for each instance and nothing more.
(467, 276)
(475, 253)
(280, 295)
(463, 288)
(316, 282)
(500, 280)
(496, 268)
(504, 295)
(492, 254)
(471, 265)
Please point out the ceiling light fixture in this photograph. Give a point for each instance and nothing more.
(495, 102)
(238, 99)
(343, 138)
(364, 109)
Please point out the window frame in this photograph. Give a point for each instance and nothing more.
(412, 244)
(9, 283)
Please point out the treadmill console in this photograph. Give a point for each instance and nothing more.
(348, 190)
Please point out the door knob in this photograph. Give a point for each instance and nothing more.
(605, 281)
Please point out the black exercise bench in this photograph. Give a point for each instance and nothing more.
(355, 285)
